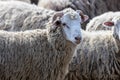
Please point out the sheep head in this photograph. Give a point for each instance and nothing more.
(115, 23)
(69, 22)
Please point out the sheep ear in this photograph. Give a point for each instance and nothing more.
(108, 24)
(57, 16)
(57, 22)
(83, 16)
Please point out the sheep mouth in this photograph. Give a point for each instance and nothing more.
(77, 41)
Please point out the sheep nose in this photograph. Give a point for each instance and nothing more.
(78, 39)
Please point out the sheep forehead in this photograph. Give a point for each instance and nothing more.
(72, 16)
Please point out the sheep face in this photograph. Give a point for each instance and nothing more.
(116, 32)
(72, 27)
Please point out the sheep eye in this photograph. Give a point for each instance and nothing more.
(64, 24)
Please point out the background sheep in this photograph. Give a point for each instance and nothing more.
(96, 22)
(90, 7)
(14, 15)
(40, 54)
(97, 56)
(28, 1)
(17, 16)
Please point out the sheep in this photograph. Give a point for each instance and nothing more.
(28, 1)
(19, 16)
(90, 7)
(40, 54)
(96, 22)
(97, 57)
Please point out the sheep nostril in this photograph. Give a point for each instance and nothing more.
(77, 40)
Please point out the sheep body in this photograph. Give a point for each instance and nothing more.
(34, 55)
(97, 58)
(97, 22)
(40, 54)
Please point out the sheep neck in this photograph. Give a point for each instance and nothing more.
(59, 42)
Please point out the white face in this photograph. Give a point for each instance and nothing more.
(117, 28)
(72, 27)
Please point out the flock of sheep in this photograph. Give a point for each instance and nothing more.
(56, 40)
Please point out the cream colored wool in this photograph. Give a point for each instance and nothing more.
(35, 54)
